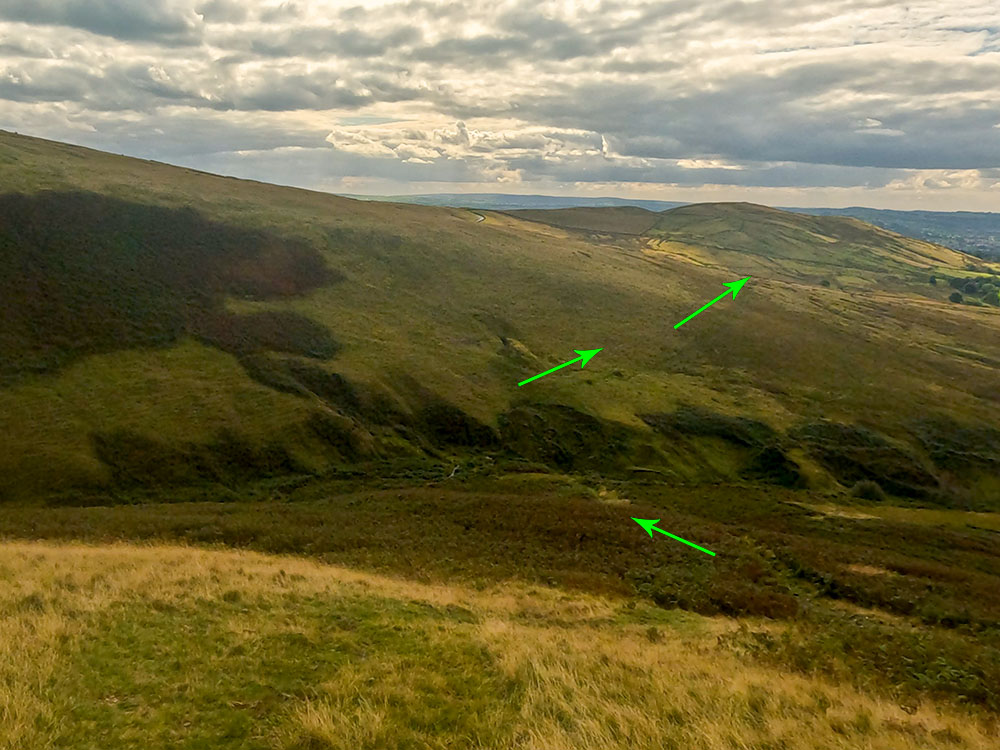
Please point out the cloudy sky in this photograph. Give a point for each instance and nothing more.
(787, 102)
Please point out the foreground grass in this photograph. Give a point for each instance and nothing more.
(119, 645)
(904, 609)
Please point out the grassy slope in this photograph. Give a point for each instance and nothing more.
(171, 647)
(429, 292)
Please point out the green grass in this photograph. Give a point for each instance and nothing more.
(136, 676)
(179, 394)
(924, 516)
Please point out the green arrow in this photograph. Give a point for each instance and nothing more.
(650, 527)
(734, 289)
(585, 356)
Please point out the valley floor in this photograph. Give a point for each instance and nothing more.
(118, 645)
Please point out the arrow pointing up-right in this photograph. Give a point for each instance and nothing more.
(735, 286)
(734, 289)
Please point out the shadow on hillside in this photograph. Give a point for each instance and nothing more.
(82, 273)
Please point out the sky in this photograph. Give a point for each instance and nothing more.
(784, 102)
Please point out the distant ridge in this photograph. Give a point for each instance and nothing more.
(506, 202)
(973, 232)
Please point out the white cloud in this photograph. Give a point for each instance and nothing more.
(965, 179)
(707, 164)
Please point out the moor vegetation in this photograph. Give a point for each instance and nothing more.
(901, 607)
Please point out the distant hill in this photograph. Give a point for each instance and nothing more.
(969, 231)
(168, 328)
(614, 220)
(757, 237)
(510, 202)
(976, 233)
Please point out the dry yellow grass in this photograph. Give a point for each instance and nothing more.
(515, 668)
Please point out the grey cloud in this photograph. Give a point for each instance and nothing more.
(196, 138)
(319, 90)
(782, 14)
(459, 137)
(518, 141)
(479, 48)
(643, 65)
(595, 169)
(145, 87)
(158, 20)
(117, 87)
(763, 118)
(436, 11)
(527, 20)
(11, 46)
(276, 13)
(523, 33)
(33, 84)
(309, 167)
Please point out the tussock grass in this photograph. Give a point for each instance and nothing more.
(119, 646)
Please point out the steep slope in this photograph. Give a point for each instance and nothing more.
(171, 327)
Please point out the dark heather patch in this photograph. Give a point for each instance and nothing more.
(957, 447)
(82, 273)
(305, 379)
(342, 434)
(446, 424)
(564, 438)
(265, 331)
(691, 420)
(770, 464)
(137, 460)
(853, 454)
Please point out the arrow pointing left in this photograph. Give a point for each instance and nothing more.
(650, 526)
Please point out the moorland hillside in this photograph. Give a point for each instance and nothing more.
(170, 328)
